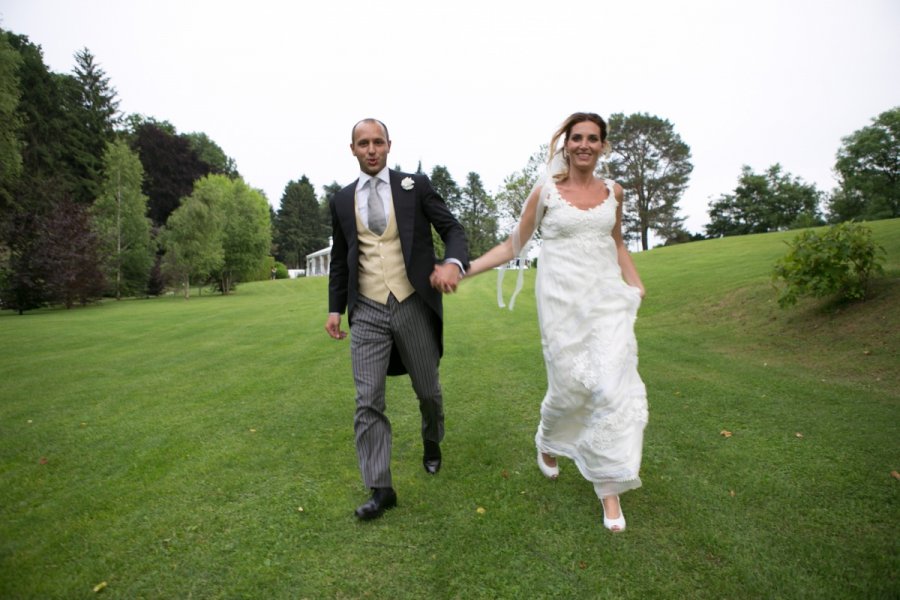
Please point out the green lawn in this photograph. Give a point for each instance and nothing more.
(204, 449)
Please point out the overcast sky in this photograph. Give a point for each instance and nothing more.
(479, 85)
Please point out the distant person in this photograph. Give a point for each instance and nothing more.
(273, 273)
(382, 268)
(588, 294)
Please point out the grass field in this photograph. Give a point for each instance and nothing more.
(204, 449)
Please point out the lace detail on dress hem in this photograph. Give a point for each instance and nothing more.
(605, 431)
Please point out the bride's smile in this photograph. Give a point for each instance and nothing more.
(584, 144)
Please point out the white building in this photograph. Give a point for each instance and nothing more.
(318, 264)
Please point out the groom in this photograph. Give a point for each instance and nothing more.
(383, 267)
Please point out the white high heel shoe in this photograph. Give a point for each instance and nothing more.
(615, 525)
(548, 471)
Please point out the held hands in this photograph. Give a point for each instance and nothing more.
(445, 277)
(333, 327)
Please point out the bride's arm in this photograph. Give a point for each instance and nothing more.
(507, 250)
(629, 271)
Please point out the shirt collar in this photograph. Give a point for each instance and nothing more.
(364, 178)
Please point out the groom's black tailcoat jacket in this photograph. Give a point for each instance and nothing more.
(415, 211)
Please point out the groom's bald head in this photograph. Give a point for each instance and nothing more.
(369, 120)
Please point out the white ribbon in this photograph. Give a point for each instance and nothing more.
(522, 239)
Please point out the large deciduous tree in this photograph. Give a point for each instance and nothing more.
(69, 254)
(192, 237)
(221, 231)
(299, 225)
(170, 168)
(121, 222)
(53, 255)
(868, 166)
(135, 121)
(770, 201)
(246, 230)
(212, 154)
(652, 164)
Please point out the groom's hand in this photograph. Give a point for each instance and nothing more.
(333, 326)
(445, 277)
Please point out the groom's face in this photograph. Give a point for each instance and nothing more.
(370, 147)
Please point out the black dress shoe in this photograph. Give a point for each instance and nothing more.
(382, 499)
(431, 460)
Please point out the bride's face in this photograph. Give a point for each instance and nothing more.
(584, 145)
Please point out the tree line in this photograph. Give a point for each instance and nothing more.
(94, 203)
(867, 168)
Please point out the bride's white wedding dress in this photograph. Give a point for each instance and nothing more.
(595, 409)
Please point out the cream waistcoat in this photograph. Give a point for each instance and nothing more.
(381, 267)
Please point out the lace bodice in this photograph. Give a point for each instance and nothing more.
(587, 231)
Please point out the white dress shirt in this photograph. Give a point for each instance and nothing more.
(384, 192)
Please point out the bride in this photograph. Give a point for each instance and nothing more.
(588, 293)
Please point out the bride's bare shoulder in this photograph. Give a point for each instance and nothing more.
(618, 191)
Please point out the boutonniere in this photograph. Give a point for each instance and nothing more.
(407, 183)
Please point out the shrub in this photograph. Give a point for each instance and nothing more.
(838, 260)
(264, 271)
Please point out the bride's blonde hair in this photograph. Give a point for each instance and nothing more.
(566, 128)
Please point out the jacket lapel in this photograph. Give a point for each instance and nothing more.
(404, 202)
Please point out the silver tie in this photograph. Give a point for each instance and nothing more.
(377, 220)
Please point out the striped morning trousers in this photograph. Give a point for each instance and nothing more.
(410, 325)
